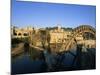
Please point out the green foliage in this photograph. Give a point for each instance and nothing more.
(16, 41)
(19, 40)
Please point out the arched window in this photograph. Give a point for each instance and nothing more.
(15, 34)
(19, 34)
(25, 34)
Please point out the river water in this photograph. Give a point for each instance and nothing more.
(33, 62)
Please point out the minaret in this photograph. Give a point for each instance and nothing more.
(58, 27)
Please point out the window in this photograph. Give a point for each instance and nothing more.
(15, 34)
(25, 34)
(19, 34)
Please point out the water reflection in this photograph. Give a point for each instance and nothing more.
(35, 61)
(28, 62)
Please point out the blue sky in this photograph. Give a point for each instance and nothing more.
(40, 15)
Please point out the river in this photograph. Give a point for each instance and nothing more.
(33, 62)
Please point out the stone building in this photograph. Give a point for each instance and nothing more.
(21, 32)
(59, 35)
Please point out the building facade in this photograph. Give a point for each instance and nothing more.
(21, 32)
(58, 35)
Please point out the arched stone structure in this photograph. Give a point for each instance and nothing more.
(80, 30)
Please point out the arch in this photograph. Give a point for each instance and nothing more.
(15, 34)
(25, 34)
(80, 30)
(19, 34)
(84, 28)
